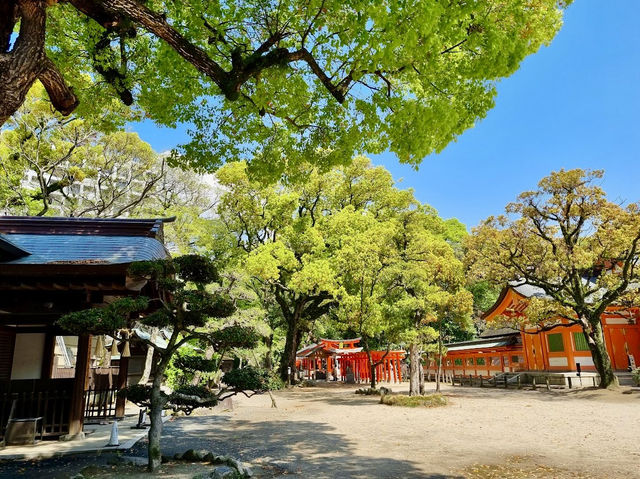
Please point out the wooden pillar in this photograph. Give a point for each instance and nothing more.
(400, 370)
(76, 412)
(47, 355)
(121, 384)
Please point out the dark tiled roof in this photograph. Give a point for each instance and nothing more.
(83, 249)
(492, 332)
(86, 241)
(492, 342)
(151, 228)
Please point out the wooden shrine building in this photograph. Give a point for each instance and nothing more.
(342, 359)
(560, 349)
(49, 267)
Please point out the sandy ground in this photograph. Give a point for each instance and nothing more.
(331, 432)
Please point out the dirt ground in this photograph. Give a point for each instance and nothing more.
(330, 432)
(484, 433)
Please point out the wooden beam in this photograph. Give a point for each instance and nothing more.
(76, 413)
(47, 355)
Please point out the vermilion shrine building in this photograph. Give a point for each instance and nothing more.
(342, 359)
(560, 349)
(49, 267)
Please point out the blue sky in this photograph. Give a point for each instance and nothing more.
(573, 104)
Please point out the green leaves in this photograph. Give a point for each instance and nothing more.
(313, 81)
(247, 379)
(566, 238)
(105, 320)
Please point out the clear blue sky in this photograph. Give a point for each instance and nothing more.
(573, 104)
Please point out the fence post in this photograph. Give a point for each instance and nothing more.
(519, 385)
(569, 380)
(548, 383)
(533, 381)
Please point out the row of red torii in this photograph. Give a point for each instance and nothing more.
(342, 359)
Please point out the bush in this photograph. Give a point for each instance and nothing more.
(274, 382)
(432, 400)
(635, 374)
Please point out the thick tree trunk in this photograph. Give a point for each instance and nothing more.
(414, 370)
(601, 360)
(27, 61)
(421, 371)
(439, 364)
(268, 359)
(373, 374)
(288, 359)
(155, 431)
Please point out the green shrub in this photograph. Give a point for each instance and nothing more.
(432, 400)
(636, 376)
(274, 382)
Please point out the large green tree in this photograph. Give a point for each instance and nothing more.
(567, 239)
(288, 236)
(300, 79)
(425, 284)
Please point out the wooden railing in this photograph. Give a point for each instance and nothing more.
(49, 399)
(99, 404)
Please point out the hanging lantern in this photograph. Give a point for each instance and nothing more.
(126, 353)
(97, 351)
(114, 347)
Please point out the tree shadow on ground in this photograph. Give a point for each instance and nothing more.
(296, 448)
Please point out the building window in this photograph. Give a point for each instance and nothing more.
(448, 362)
(515, 359)
(580, 342)
(555, 343)
(457, 362)
(469, 361)
(495, 361)
(480, 361)
(506, 360)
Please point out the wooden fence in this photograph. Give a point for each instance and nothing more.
(99, 404)
(51, 401)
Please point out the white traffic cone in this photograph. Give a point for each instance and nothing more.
(113, 440)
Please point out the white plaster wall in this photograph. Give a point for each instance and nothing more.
(27, 356)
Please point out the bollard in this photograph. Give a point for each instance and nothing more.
(548, 384)
(113, 440)
(569, 382)
(519, 385)
(533, 381)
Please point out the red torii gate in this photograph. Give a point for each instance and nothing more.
(344, 357)
(388, 370)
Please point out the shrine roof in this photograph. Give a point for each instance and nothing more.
(79, 241)
(493, 342)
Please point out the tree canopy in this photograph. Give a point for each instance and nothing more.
(569, 240)
(278, 83)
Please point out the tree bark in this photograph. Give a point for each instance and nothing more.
(439, 363)
(414, 370)
(288, 359)
(601, 360)
(27, 61)
(155, 431)
(268, 359)
(373, 374)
